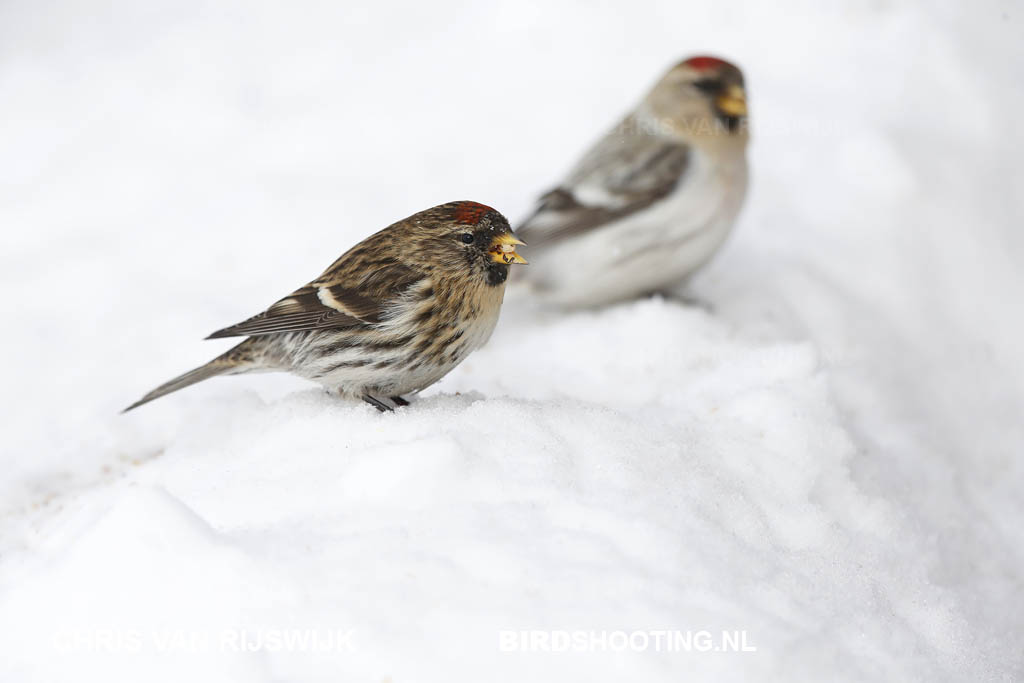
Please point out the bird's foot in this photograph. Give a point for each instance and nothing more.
(378, 404)
(399, 401)
(687, 299)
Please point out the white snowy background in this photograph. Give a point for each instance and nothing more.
(826, 455)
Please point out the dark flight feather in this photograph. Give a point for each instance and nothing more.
(633, 176)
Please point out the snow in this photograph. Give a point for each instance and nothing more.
(824, 454)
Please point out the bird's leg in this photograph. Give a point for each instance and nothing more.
(694, 302)
(399, 401)
(378, 404)
(685, 298)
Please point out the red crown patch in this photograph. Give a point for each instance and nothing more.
(470, 213)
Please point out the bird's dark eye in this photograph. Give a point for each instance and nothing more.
(707, 85)
(467, 238)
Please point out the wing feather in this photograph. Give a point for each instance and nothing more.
(623, 174)
(347, 295)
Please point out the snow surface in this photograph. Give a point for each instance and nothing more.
(826, 455)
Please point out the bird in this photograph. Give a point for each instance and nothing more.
(391, 316)
(652, 200)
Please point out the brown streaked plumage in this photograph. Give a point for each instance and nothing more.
(391, 316)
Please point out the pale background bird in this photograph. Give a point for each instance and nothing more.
(391, 316)
(653, 199)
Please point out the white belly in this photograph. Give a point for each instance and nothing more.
(650, 250)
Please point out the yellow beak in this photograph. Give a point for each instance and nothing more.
(503, 249)
(733, 101)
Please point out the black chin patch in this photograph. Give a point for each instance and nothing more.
(731, 123)
(497, 273)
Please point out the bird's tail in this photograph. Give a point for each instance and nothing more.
(238, 359)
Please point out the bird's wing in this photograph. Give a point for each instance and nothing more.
(621, 175)
(347, 295)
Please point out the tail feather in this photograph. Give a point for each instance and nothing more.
(234, 361)
(211, 369)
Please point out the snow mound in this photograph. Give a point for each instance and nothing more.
(716, 497)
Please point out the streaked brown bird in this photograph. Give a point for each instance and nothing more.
(652, 200)
(390, 317)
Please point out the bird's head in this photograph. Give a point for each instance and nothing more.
(464, 238)
(701, 99)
